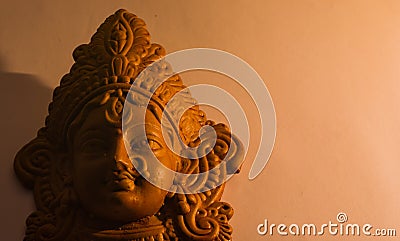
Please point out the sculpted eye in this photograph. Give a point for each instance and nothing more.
(154, 145)
(138, 144)
(93, 146)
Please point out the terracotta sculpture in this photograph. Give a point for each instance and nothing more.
(85, 185)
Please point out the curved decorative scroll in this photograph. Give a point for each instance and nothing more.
(202, 216)
(35, 166)
(209, 223)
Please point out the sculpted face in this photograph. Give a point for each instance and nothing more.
(106, 182)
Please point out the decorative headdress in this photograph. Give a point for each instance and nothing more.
(106, 68)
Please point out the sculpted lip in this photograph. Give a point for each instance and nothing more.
(125, 175)
(123, 181)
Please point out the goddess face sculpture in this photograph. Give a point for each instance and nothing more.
(106, 182)
(84, 176)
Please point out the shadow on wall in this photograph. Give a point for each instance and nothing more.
(24, 103)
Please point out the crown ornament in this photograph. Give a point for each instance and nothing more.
(113, 59)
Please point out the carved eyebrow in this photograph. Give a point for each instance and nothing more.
(99, 133)
(154, 137)
(162, 137)
(90, 133)
(152, 126)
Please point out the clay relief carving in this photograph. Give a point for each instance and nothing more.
(84, 183)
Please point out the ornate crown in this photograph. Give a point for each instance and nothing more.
(115, 56)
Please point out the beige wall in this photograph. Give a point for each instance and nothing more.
(331, 67)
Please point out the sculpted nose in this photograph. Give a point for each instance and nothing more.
(121, 156)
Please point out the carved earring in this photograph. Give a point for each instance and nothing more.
(68, 195)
